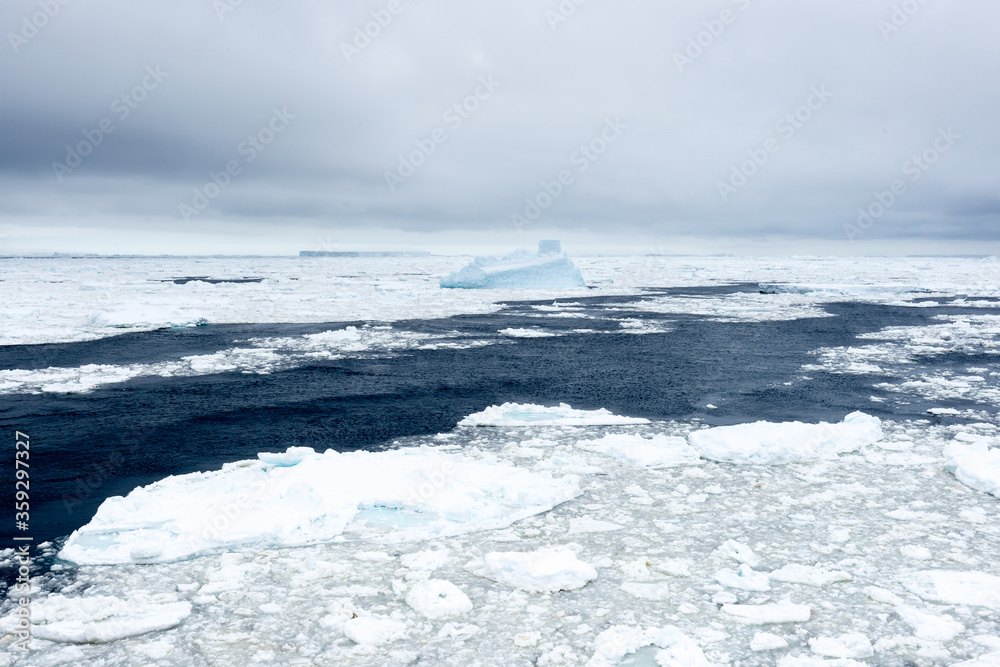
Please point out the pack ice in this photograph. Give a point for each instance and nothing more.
(549, 268)
(301, 497)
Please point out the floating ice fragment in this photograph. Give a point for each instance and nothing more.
(764, 614)
(527, 639)
(915, 552)
(741, 552)
(428, 560)
(803, 661)
(765, 641)
(850, 645)
(527, 414)
(932, 627)
(988, 660)
(436, 598)
(373, 630)
(99, 618)
(744, 578)
(975, 465)
(618, 641)
(543, 571)
(549, 268)
(588, 525)
(396, 495)
(660, 451)
(956, 587)
(769, 443)
(646, 591)
(809, 574)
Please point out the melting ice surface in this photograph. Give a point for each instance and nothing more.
(549, 268)
(555, 537)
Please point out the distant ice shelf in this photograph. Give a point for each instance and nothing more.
(549, 268)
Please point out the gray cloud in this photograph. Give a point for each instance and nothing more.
(686, 130)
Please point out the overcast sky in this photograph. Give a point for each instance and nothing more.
(709, 126)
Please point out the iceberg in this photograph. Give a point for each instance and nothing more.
(549, 268)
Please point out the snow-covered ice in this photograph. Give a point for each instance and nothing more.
(656, 452)
(543, 571)
(767, 443)
(436, 598)
(549, 268)
(766, 614)
(975, 464)
(526, 414)
(850, 645)
(397, 495)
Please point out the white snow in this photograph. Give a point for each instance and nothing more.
(436, 598)
(930, 626)
(397, 495)
(100, 618)
(767, 443)
(737, 551)
(527, 414)
(542, 571)
(765, 614)
(549, 268)
(373, 630)
(976, 589)
(976, 465)
(659, 451)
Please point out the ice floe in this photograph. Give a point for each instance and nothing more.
(527, 414)
(392, 496)
(766, 614)
(542, 571)
(659, 451)
(975, 464)
(769, 443)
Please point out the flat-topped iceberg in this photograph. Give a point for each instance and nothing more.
(549, 268)
(302, 497)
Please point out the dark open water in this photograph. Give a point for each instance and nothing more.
(86, 447)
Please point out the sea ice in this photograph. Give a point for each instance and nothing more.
(543, 571)
(765, 641)
(977, 589)
(850, 645)
(807, 574)
(527, 414)
(932, 627)
(99, 618)
(373, 630)
(549, 268)
(659, 451)
(975, 465)
(618, 641)
(398, 495)
(436, 598)
(765, 614)
(744, 578)
(769, 443)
